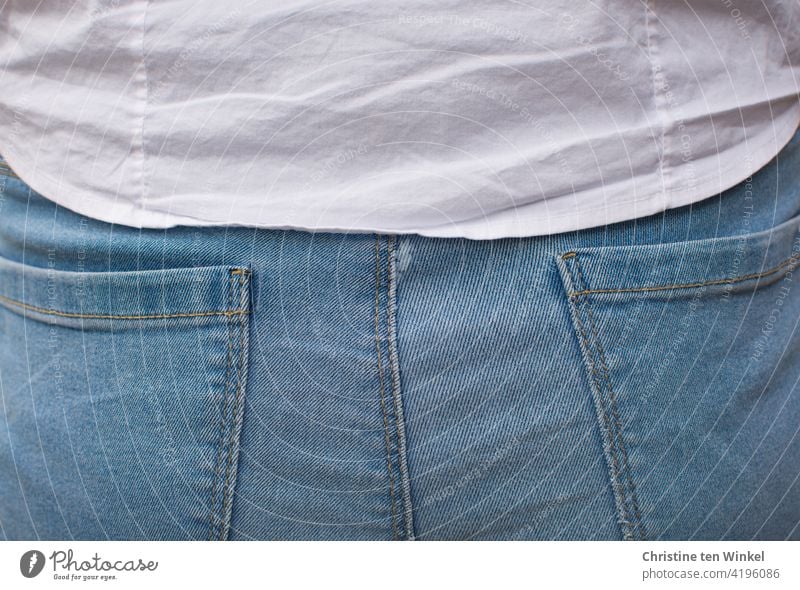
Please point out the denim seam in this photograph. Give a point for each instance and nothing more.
(612, 403)
(212, 533)
(789, 262)
(382, 390)
(231, 415)
(97, 316)
(612, 457)
(237, 412)
(405, 480)
(605, 402)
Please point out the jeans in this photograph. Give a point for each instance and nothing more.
(632, 381)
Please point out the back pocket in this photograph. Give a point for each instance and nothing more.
(123, 397)
(692, 356)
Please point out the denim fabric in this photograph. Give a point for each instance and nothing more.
(635, 381)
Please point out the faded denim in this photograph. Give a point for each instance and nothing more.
(634, 381)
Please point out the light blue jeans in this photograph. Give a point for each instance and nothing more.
(635, 381)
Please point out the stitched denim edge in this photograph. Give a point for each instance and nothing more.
(739, 261)
(389, 391)
(232, 406)
(394, 360)
(107, 299)
(787, 265)
(379, 354)
(13, 303)
(605, 399)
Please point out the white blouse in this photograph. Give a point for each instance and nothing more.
(472, 118)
